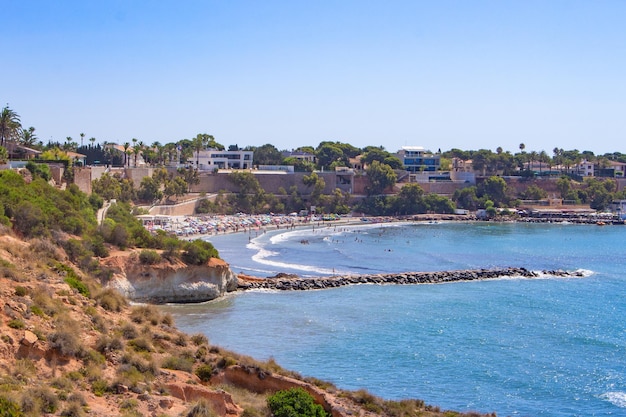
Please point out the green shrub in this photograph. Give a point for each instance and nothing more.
(204, 372)
(39, 170)
(9, 408)
(20, 291)
(99, 387)
(149, 257)
(16, 324)
(198, 252)
(179, 363)
(36, 310)
(295, 402)
(78, 285)
(141, 344)
(72, 279)
(93, 357)
(146, 367)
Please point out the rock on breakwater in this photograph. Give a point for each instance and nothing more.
(289, 283)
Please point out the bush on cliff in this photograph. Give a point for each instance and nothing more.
(198, 252)
(295, 402)
(149, 257)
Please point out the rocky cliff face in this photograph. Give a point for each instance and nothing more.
(170, 282)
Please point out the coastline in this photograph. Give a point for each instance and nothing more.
(190, 227)
(202, 227)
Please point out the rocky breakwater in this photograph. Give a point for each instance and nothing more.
(293, 283)
(170, 281)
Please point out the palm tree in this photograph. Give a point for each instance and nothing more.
(82, 136)
(137, 148)
(200, 142)
(29, 138)
(533, 157)
(126, 152)
(159, 151)
(10, 125)
(92, 140)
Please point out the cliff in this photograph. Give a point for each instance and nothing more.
(169, 281)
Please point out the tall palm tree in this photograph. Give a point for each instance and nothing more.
(92, 140)
(532, 158)
(200, 142)
(158, 151)
(137, 148)
(126, 152)
(82, 136)
(10, 125)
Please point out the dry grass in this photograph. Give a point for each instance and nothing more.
(254, 404)
(44, 248)
(110, 300)
(145, 313)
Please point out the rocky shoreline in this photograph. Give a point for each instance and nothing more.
(283, 282)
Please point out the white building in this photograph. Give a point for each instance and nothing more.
(211, 159)
(416, 159)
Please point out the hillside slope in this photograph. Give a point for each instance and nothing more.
(73, 348)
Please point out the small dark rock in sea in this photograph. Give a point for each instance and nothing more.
(284, 275)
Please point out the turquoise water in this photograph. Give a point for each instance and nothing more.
(519, 347)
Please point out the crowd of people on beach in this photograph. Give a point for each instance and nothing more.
(194, 226)
(189, 226)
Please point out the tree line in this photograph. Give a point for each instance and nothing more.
(380, 165)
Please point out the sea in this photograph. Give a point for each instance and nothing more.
(546, 346)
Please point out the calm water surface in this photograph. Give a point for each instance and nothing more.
(519, 347)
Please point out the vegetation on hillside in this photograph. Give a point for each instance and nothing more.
(34, 208)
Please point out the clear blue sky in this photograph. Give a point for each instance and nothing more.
(438, 74)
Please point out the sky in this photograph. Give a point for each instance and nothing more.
(439, 74)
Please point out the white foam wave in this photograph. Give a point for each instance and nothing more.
(262, 255)
(582, 273)
(617, 398)
(263, 290)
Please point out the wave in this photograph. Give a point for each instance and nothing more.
(617, 398)
(262, 256)
(583, 273)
